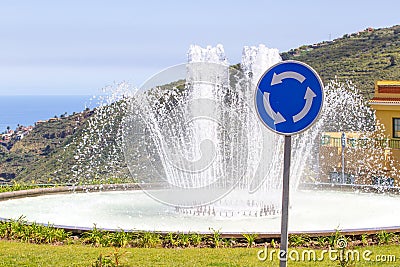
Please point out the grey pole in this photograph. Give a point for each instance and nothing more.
(343, 141)
(285, 201)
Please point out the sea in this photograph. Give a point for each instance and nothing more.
(27, 109)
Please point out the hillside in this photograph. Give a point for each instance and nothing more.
(363, 57)
(80, 148)
(39, 155)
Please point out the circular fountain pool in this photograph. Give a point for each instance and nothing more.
(134, 210)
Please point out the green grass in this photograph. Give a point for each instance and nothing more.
(24, 254)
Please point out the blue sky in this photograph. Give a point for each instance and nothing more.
(79, 47)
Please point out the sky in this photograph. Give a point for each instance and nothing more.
(79, 47)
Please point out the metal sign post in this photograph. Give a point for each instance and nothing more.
(285, 201)
(288, 100)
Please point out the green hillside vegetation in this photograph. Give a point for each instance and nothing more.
(54, 151)
(363, 57)
(48, 154)
(41, 156)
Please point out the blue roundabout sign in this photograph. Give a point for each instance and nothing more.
(289, 97)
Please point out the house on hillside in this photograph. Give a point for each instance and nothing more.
(39, 122)
(369, 29)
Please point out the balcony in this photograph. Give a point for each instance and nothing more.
(330, 141)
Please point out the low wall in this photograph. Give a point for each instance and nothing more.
(66, 189)
(351, 187)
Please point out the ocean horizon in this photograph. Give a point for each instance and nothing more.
(28, 109)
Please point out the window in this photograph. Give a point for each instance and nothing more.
(396, 127)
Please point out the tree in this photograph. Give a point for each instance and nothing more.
(392, 60)
(46, 150)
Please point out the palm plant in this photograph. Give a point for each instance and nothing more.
(195, 239)
(250, 238)
(216, 237)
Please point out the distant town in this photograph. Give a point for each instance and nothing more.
(18, 134)
(10, 136)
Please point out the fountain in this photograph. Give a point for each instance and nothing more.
(190, 137)
(207, 150)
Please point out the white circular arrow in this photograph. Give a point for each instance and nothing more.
(277, 117)
(277, 78)
(309, 100)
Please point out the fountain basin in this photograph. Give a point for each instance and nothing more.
(310, 211)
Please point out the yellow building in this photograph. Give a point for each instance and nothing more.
(386, 103)
(371, 160)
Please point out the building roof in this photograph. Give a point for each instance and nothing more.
(385, 100)
(386, 92)
(387, 87)
(387, 83)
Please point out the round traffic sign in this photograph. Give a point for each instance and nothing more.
(289, 97)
